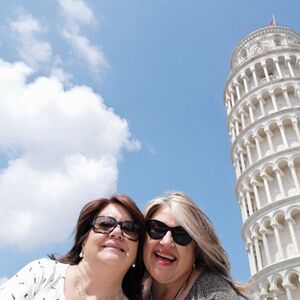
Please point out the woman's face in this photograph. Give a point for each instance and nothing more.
(111, 248)
(166, 261)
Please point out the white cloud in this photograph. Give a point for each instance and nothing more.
(91, 54)
(32, 49)
(77, 10)
(63, 146)
(77, 13)
(2, 280)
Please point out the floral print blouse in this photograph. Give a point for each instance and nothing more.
(42, 279)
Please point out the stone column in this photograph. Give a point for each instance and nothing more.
(278, 173)
(249, 202)
(237, 89)
(243, 201)
(245, 83)
(240, 151)
(257, 250)
(266, 245)
(277, 238)
(247, 145)
(232, 98)
(287, 286)
(242, 114)
(251, 113)
(294, 175)
(237, 129)
(266, 72)
(269, 134)
(291, 224)
(288, 62)
(267, 188)
(282, 133)
(254, 184)
(296, 128)
(257, 140)
(278, 68)
(254, 76)
(261, 102)
(273, 98)
(287, 98)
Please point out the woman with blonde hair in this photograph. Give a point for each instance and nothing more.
(183, 255)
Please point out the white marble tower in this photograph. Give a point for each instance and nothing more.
(262, 99)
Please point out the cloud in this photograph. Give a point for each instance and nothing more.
(2, 280)
(91, 54)
(76, 13)
(31, 48)
(63, 147)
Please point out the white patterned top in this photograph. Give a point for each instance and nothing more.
(41, 279)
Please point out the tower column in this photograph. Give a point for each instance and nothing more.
(278, 173)
(296, 129)
(245, 84)
(277, 238)
(291, 224)
(287, 98)
(294, 175)
(278, 68)
(283, 136)
(254, 76)
(261, 106)
(267, 188)
(257, 250)
(269, 135)
(288, 62)
(266, 245)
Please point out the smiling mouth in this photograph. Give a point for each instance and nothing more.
(165, 257)
(114, 247)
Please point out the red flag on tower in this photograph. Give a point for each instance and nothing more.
(273, 22)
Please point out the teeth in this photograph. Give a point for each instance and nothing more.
(165, 256)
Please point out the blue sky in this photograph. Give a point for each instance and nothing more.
(99, 97)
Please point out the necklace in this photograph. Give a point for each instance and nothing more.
(78, 284)
(179, 292)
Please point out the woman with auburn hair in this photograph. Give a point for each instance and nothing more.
(105, 261)
(183, 255)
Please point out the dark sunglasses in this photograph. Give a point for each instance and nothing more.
(157, 230)
(105, 224)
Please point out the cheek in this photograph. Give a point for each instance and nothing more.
(148, 247)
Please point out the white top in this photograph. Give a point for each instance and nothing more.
(41, 279)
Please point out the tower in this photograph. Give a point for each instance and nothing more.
(262, 100)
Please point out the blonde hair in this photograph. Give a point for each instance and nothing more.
(209, 252)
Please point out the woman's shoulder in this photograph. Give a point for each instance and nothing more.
(212, 286)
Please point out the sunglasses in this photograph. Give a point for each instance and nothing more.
(105, 225)
(157, 230)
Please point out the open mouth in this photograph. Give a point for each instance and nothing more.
(164, 257)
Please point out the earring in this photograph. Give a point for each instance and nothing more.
(133, 266)
(81, 254)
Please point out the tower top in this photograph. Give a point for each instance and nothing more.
(263, 40)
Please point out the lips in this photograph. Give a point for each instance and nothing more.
(164, 257)
(114, 246)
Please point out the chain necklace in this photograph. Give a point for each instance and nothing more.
(176, 297)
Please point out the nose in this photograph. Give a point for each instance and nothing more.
(167, 239)
(116, 232)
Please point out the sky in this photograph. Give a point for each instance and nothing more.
(104, 97)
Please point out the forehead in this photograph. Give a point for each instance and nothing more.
(116, 211)
(165, 215)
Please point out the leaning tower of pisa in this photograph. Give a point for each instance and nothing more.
(262, 99)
